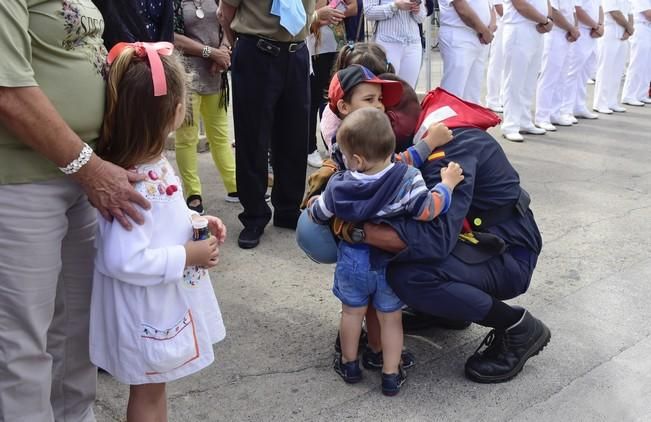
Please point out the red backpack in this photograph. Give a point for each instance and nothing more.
(442, 106)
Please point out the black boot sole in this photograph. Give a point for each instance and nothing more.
(533, 351)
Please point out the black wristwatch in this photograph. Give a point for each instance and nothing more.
(357, 234)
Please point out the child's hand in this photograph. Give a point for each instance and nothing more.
(217, 228)
(451, 175)
(203, 253)
(438, 134)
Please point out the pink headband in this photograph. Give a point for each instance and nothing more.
(152, 50)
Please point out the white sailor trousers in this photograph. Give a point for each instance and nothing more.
(464, 62)
(574, 87)
(495, 69)
(610, 66)
(553, 73)
(522, 46)
(638, 74)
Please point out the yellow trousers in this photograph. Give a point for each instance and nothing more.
(215, 121)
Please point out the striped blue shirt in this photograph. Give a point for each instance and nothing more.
(400, 26)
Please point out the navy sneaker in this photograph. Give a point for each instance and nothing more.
(373, 361)
(391, 383)
(349, 371)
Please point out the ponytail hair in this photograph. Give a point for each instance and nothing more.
(136, 123)
(368, 54)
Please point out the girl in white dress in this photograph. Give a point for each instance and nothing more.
(154, 315)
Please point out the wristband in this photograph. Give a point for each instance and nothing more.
(205, 53)
(82, 159)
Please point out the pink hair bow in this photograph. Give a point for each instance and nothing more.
(153, 51)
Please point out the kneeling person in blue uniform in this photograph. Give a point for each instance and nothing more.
(374, 187)
(467, 277)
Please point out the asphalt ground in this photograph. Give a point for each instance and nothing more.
(590, 193)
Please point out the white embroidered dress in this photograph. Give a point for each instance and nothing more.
(152, 319)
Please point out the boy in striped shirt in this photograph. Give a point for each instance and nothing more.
(374, 187)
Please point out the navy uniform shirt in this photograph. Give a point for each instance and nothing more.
(490, 182)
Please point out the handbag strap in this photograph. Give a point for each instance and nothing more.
(359, 26)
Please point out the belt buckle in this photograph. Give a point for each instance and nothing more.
(293, 47)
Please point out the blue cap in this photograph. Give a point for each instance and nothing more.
(316, 240)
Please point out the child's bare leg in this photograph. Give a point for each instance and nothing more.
(373, 329)
(147, 403)
(350, 329)
(391, 332)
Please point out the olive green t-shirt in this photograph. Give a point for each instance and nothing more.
(253, 17)
(56, 45)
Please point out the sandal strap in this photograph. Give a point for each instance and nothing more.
(193, 198)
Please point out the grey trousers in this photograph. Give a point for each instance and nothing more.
(47, 233)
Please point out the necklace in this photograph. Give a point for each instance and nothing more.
(199, 12)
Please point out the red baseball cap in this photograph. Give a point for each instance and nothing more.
(346, 79)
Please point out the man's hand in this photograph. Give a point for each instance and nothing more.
(626, 36)
(546, 27)
(225, 15)
(383, 236)
(597, 32)
(486, 37)
(342, 229)
(492, 27)
(109, 189)
(572, 35)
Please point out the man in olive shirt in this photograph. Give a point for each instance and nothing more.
(51, 109)
(271, 104)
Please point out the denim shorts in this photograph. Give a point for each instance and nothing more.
(355, 282)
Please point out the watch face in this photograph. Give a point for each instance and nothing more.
(357, 235)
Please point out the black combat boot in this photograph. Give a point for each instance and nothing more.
(507, 350)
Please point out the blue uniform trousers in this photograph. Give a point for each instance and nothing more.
(456, 290)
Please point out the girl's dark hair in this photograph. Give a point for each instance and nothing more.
(136, 123)
(368, 54)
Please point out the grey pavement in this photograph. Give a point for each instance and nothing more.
(590, 194)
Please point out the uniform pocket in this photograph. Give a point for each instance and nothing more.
(167, 348)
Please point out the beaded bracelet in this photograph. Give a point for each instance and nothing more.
(81, 160)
